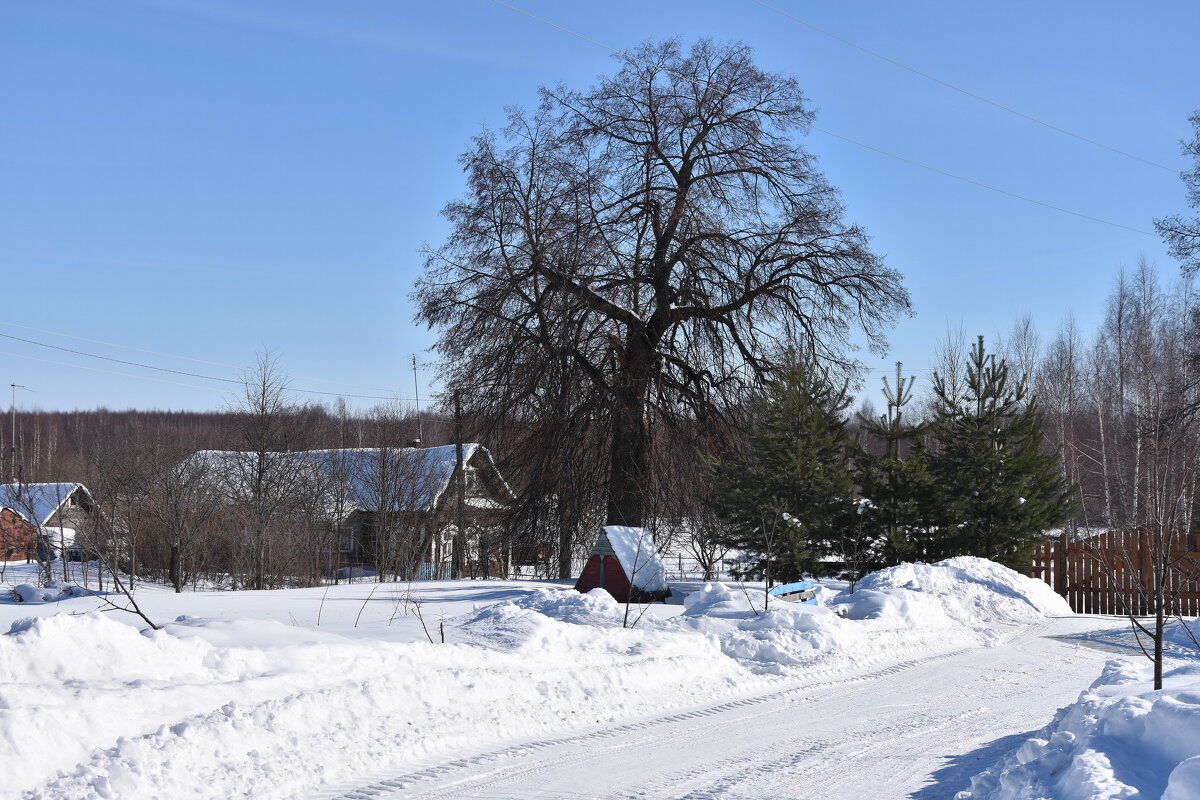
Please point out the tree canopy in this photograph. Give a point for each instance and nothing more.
(996, 485)
(788, 493)
(641, 249)
(1182, 235)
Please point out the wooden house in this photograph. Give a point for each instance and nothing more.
(59, 516)
(392, 505)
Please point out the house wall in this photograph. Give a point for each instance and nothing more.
(603, 571)
(18, 539)
(77, 514)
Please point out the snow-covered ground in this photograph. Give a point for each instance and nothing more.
(924, 677)
(1120, 739)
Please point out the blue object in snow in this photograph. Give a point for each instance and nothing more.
(799, 592)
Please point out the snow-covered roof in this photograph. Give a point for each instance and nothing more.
(634, 548)
(60, 537)
(419, 477)
(36, 500)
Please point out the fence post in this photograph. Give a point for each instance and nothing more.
(1060, 565)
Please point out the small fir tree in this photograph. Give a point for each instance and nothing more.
(999, 490)
(895, 481)
(787, 492)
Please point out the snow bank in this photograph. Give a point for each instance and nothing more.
(959, 602)
(1121, 739)
(242, 708)
(219, 707)
(52, 592)
(974, 589)
(972, 592)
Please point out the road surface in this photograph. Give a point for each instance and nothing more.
(917, 729)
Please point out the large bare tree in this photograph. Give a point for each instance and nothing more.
(663, 231)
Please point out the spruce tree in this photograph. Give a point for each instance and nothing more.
(787, 492)
(999, 489)
(896, 480)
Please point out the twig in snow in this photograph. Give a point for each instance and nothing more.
(321, 607)
(748, 600)
(364, 605)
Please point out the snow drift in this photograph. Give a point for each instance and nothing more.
(1120, 740)
(52, 592)
(92, 707)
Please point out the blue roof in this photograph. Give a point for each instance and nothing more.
(39, 500)
(423, 474)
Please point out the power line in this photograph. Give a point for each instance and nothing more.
(953, 87)
(114, 372)
(626, 54)
(982, 185)
(189, 374)
(154, 352)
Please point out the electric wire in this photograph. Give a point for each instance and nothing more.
(185, 373)
(155, 352)
(953, 87)
(113, 372)
(945, 173)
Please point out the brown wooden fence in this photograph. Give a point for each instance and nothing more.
(1111, 572)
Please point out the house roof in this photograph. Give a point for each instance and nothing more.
(634, 549)
(419, 477)
(36, 500)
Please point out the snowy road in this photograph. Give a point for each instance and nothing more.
(916, 729)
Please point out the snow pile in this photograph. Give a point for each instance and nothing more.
(1121, 739)
(1184, 634)
(971, 591)
(639, 558)
(237, 708)
(906, 609)
(52, 592)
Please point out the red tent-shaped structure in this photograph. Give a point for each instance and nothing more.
(625, 563)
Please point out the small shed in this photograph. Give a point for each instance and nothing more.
(625, 563)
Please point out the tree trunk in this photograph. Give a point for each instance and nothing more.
(1159, 623)
(629, 463)
(629, 456)
(176, 568)
(565, 536)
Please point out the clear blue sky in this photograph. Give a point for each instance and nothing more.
(186, 183)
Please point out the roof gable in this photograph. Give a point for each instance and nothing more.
(37, 500)
(634, 549)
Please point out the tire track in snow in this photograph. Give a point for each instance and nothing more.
(409, 782)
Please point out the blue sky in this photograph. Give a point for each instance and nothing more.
(184, 184)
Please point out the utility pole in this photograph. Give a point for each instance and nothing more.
(460, 537)
(417, 397)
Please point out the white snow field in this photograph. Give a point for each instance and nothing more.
(926, 676)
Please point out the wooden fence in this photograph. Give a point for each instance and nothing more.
(1112, 572)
